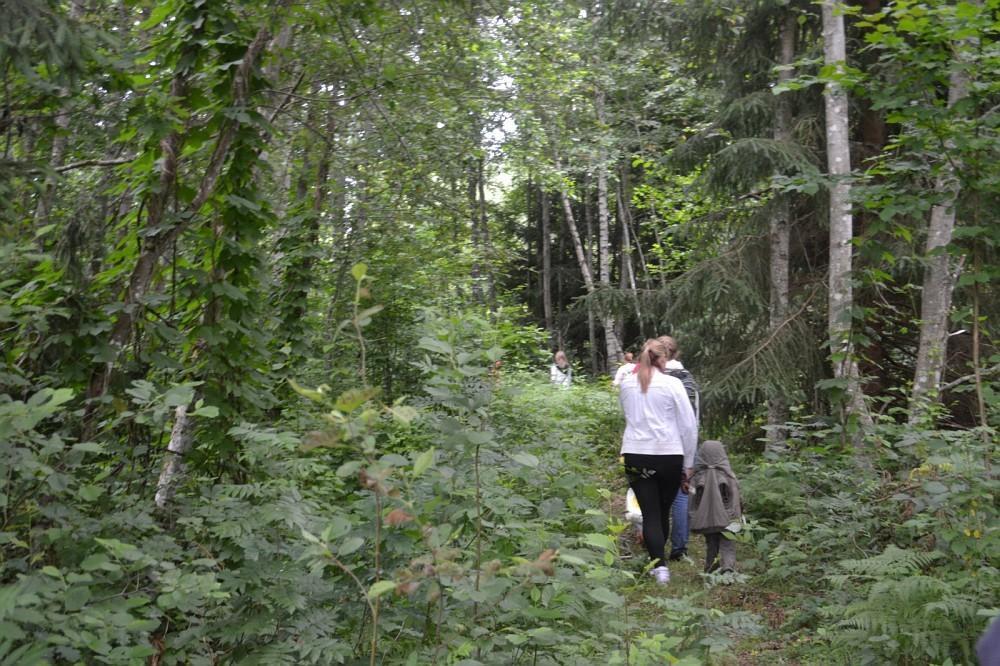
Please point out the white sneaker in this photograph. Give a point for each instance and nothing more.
(661, 574)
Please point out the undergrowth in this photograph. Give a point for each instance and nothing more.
(476, 523)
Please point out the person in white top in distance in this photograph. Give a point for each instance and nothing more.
(627, 367)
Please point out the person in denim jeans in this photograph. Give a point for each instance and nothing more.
(679, 508)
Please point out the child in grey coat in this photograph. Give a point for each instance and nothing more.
(715, 505)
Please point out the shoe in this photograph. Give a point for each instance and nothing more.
(661, 574)
(676, 555)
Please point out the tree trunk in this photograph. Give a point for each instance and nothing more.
(156, 204)
(546, 243)
(181, 439)
(59, 140)
(612, 345)
(475, 272)
(841, 295)
(777, 405)
(484, 231)
(940, 274)
(581, 253)
(628, 269)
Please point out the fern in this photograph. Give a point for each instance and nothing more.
(893, 562)
(905, 614)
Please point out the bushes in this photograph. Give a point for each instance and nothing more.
(469, 530)
(894, 562)
(468, 526)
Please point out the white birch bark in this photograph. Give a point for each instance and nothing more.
(613, 347)
(181, 439)
(940, 274)
(841, 293)
(574, 234)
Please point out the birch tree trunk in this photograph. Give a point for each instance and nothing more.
(574, 233)
(613, 347)
(838, 156)
(181, 439)
(777, 405)
(940, 274)
(588, 277)
(546, 243)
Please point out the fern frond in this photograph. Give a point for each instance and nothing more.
(892, 562)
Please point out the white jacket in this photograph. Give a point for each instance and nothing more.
(623, 372)
(659, 422)
(561, 376)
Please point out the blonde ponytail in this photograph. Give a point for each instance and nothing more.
(670, 346)
(653, 354)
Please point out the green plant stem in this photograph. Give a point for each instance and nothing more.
(975, 349)
(479, 543)
(357, 331)
(378, 535)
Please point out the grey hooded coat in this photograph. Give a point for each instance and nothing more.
(715, 492)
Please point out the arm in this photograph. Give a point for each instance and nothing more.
(687, 425)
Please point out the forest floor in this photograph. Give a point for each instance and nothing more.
(687, 581)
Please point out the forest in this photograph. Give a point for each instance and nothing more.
(282, 282)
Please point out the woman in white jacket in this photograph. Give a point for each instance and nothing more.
(658, 447)
(561, 372)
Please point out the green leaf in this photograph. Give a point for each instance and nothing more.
(76, 598)
(311, 394)
(178, 395)
(434, 345)
(157, 16)
(359, 271)
(380, 588)
(89, 447)
(526, 459)
(98, 561)
(607, 597)
(350, 545)
(348, 469)
(602, 541)
(423, 461)
(206, 411)
(89, 493)
(935, 487)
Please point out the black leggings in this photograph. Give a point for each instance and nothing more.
(654, 480)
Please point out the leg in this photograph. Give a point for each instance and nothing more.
(679, 535)
(647, 494)
(727, 552)
(711, 551)
(670, 483)
(654, 480)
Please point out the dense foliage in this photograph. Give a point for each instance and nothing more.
(282, 281)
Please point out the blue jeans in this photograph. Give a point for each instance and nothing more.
(679, 533)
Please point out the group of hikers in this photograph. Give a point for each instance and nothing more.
(673, 479)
